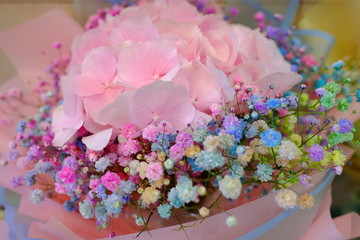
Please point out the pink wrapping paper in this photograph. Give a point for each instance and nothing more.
(24, 45)
(3, 227)
(29, 46)
(324, 227)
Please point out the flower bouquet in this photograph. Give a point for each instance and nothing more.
(165, 119)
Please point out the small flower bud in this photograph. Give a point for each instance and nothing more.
(204, 212)
(202, 191)
(231, 221)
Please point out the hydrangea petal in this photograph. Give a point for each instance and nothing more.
(84, 86)
(100, 63)
(282, 82)
(84, 43)
(64, 127)
(99, 140)
(175, 10)
(141, 64)
(136, 28)
(162, 101)
(118, 112)
(95, 103)
(72, 103)
(206, 85)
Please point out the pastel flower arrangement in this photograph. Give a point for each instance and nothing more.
(170, 112)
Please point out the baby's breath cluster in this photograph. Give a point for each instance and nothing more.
(259, 138)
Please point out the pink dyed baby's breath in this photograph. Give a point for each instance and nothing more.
(128, 148)
(177, 152)
(154, 171)
(60, 188)
(94, 183)
(128, 130)
(150, 132)
(67, 174)
(111, 181)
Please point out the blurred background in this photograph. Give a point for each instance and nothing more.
(338, 18)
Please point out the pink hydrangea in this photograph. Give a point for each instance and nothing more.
(154, 171)
(150, 132)
(148, 59)
(177, 152)
(111, 181)
(67, 174)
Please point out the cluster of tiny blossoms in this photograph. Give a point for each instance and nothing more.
(291, 47)
(303, 62)
(278, 141)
